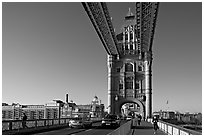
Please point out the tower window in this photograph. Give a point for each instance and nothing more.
(131, 35)
(131, 46)
(129, 85)
(139, 68)
(120, 86)
(126, 46)
(128, 67)
(118, 69)
(137, 86)
(126, 36)
(129, 78)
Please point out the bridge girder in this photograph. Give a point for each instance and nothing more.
(146, 17)
(101, 20)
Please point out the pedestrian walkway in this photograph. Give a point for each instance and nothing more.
(145, 128)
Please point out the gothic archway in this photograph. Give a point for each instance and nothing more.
(122, 101)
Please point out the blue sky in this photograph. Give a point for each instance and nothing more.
(50, 49)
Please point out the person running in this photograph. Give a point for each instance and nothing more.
(155, 126)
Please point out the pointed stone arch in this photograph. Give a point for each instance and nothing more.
(129, 67)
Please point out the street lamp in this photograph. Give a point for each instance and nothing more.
(116, 99)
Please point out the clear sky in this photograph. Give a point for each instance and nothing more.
(50, 49)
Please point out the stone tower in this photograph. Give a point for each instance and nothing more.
(130, 72)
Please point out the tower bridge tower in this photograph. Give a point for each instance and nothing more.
(129, 52)
(129, 72)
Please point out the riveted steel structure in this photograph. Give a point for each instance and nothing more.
(129, 54)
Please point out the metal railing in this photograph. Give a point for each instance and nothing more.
(16, 125)
(8, 125)
(172, 129)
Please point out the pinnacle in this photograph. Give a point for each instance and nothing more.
(129, 13)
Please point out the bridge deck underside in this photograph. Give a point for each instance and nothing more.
(146, 16)
(100, 18)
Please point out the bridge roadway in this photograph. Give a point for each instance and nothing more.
(145, 128)
(127, 128)
(95, 130)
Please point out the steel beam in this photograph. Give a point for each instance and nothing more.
(146, 16)
(100, 18)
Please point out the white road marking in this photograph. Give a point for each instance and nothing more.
(88, 130)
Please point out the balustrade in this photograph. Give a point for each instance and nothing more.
(172, 129)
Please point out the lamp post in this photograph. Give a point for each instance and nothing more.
(116, 99)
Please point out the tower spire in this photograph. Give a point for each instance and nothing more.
(129, 12)
(129, 15)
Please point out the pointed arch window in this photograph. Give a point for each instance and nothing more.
(128, 67)
(126, 36)
(131, 35)
(131, 46)
(139, 68)
(120, 86)
(137, 86)
(129, 85)
(126, 46)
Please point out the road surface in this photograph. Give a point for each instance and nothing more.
(95, 130)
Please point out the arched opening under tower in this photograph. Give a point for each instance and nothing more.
(130, 107)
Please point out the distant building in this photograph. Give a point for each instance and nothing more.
(10, 112)
(52, 110)
(126, 109)
(178, 116)
(33, 111)
(15, 111)
(97, 109)
(191, 118)
(165, 114)
(170, 115)
(198, 116)
(195, 118)
(84, 110)
(68, 109)
(81, 111)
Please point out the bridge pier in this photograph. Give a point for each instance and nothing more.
(111, 83)
(148, 89)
